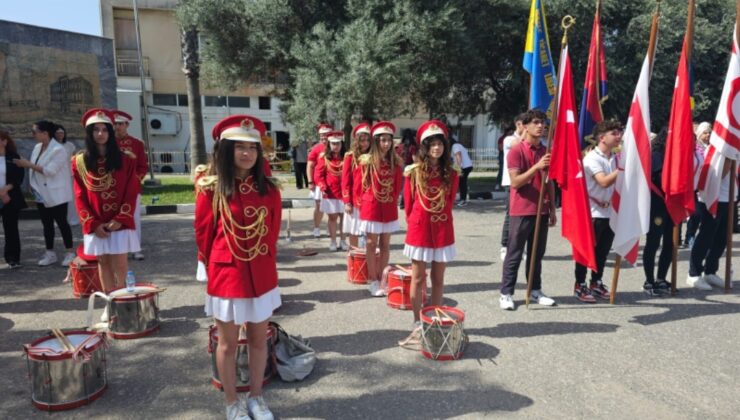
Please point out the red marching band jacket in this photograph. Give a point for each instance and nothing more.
(429, 209)
(329, 176)
(351, 180)
(101, 196)
(237, 241)
(136, 146)
(379, 191)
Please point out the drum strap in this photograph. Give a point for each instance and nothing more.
(91, 306)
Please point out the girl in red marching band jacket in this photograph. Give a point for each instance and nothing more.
(329, 181)
(429, 193)
(237, 223)
(381, 185)
(352, 182)
(105, 188)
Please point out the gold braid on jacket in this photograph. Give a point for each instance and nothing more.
(237, 234)
(95, 183)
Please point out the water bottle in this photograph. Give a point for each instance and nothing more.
(130, 281)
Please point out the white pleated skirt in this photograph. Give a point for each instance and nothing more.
(351, 223)
(315, 193)
(241, 310)
(367, 226)
(445, 254)
(331, 206)
(122, 241)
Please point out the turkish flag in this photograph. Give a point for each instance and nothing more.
(566, 168)
(678, 166)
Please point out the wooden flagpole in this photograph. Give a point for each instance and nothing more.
(731, 200)
(689, 38)
(651, 55)
(567, 22)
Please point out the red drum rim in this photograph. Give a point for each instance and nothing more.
(128, 336)
(140, 296)
(457, 313)
(443, 357)
(64, 355)
(70, 405)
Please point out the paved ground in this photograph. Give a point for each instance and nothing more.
(642, 358)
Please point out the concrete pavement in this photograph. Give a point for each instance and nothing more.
(674, 357)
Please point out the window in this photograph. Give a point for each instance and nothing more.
(268, 126)
(264, 102)
(215, 101)
(124, 32)
(239, 101)
(165, 99)
(182, 100)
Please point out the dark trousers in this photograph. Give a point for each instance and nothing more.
(710, 242)
(505, 229)
(300, 174)
(661, 227)
(464, 183)
(521, 234)
(12, 251)
(57, 214)
(603, 237)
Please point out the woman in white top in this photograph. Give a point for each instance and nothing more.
(463, 161)
(60, 135)
(51, 184)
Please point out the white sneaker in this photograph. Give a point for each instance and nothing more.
(714, 281)
(374, 288)
(257, 408)
(236, 411)
(506, 302)
(332, 247)
(698, 282)
(138, 256)
(49, 258)
(104, 317)
(343, 246)
(502, 253)
(316, 233)
(541, 299)
(68, 259)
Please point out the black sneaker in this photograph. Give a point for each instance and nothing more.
(14, 265)
(663, 286)
(583, 293)
(652, 289)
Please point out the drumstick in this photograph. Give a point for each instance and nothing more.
(404, 269)
(63, 339)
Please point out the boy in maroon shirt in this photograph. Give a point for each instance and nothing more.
(528, 163)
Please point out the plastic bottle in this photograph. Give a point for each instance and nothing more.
(130, 281)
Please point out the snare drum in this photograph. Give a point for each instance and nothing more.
(83, 271)
(399, 288)
(242, 359)
(357, 266)
(442, 333)
(62, 379)
(133, 314)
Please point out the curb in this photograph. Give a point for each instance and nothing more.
(288, 203)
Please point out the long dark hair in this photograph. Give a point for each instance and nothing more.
(113, 159)
(61, 127)
(224, 164)
(10, 149)
(444, 162)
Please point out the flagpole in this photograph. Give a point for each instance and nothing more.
(651, 55)
(566, 23)
(689, 39)
(730, 211)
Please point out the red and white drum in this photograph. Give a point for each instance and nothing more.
(398, 287)
(442, 333)
(62, 379)
(242, 359)
(133, 314)
(357, 266)
(83, 271)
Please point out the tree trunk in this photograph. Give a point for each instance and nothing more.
(189, 44)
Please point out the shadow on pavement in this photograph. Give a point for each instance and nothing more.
(534, 329)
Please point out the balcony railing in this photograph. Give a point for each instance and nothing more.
(128, 65)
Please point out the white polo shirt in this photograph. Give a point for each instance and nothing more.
(599, 198)
(505, 178)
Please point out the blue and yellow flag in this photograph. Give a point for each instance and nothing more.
(538, 60)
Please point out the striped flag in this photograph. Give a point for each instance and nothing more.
(594, 87)
(630, 217)
(725, 138)
(538, 60)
